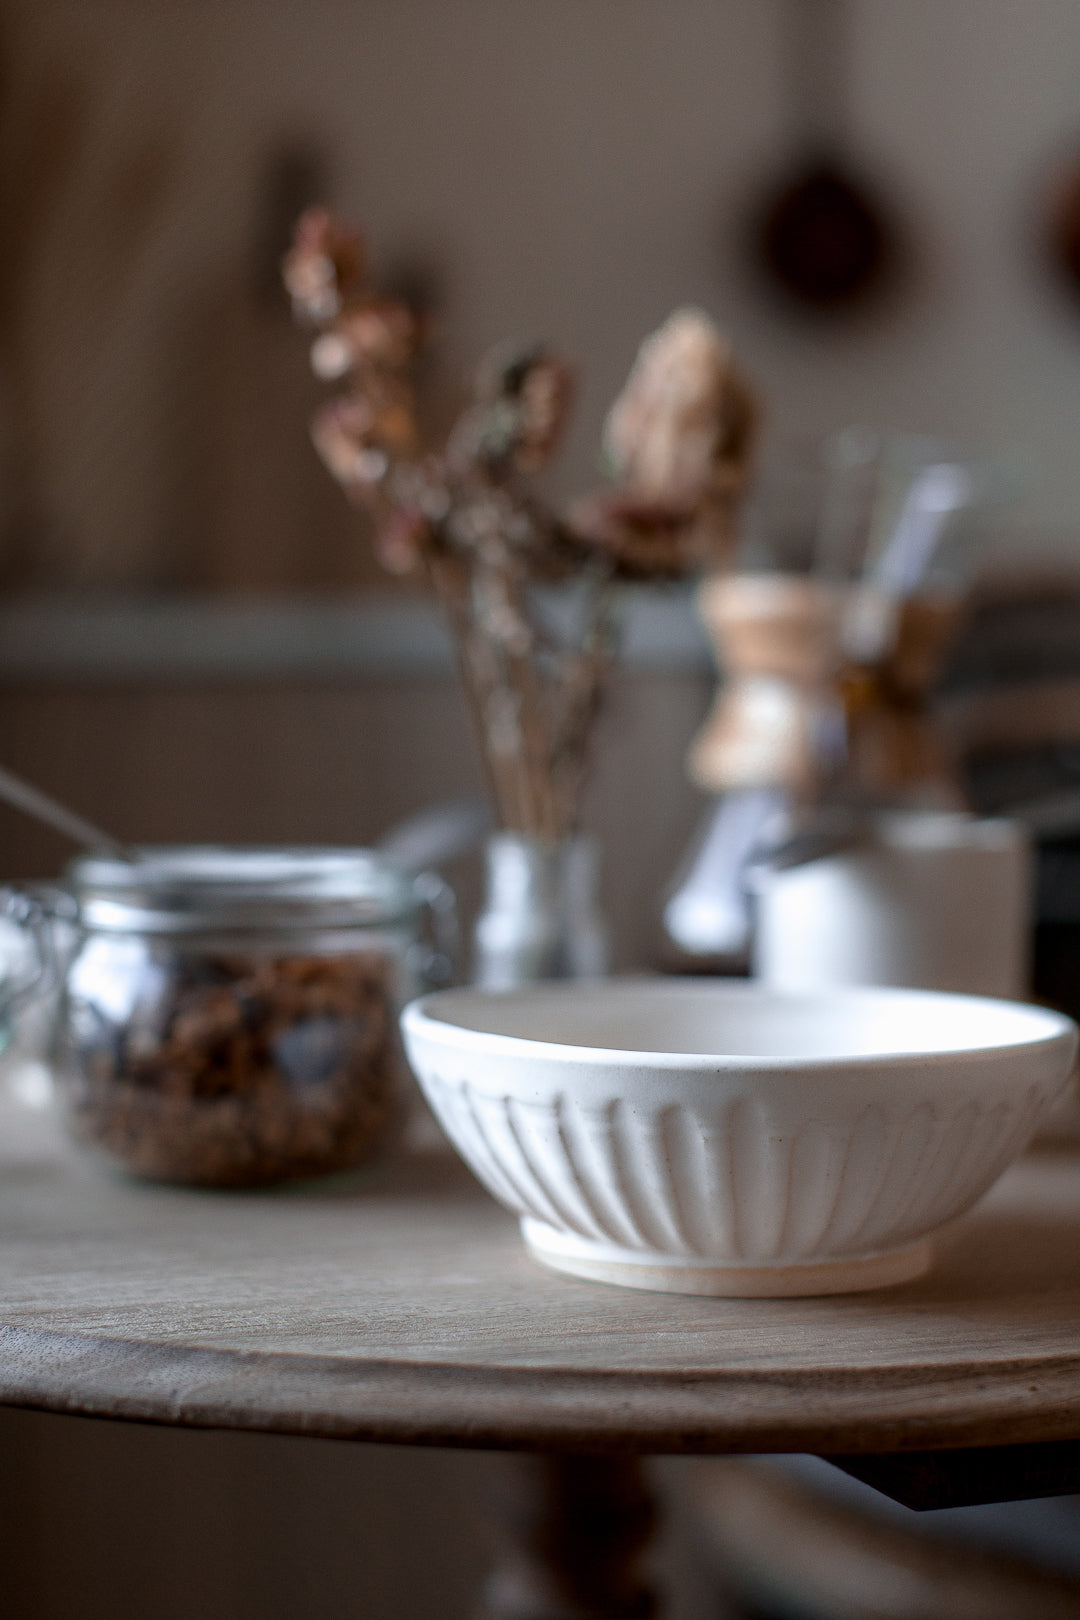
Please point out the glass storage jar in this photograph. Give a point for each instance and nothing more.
(230, 1014)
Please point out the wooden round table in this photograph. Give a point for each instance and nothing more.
(400, 1305)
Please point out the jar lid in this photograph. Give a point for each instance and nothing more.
(187, 888)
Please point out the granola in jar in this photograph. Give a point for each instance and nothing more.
(230, 1017)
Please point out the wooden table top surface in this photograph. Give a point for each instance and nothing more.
(401, 1306)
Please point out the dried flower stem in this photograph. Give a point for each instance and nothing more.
(681, 436)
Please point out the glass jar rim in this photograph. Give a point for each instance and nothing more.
(188, 888)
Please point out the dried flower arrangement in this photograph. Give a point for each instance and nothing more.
(679, 439)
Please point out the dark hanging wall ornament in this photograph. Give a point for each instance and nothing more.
(822, 235)
(823, 240)
(1063, 228)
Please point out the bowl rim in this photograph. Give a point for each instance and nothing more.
(420, 1018)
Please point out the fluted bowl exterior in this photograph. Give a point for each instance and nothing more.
(772, 1158)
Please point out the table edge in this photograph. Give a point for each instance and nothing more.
(1023, 1401)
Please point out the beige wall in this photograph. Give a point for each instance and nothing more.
(124, 1521)
(127, 1521)
(568, 168)
(318, 762)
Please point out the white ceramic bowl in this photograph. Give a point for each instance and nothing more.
(729, 1139)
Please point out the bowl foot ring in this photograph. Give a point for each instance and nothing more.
(595, 1262)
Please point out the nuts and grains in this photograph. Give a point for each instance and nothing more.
(225, 1070)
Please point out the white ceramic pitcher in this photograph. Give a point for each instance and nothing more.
(932, 900)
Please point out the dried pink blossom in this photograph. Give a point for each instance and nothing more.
(343, 434)
(402, 540)
(323, 266)
(685, 416)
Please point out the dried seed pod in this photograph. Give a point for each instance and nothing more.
(521, 405)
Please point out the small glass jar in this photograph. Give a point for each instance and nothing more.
(230, 1014)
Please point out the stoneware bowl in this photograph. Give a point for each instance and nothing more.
(708, 1138)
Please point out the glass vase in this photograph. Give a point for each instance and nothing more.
(540, 917)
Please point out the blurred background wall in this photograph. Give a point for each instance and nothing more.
(559, 169)
(564, 170)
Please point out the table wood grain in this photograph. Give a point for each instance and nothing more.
(400, 1306)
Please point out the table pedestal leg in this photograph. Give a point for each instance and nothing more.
(572, 1530)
